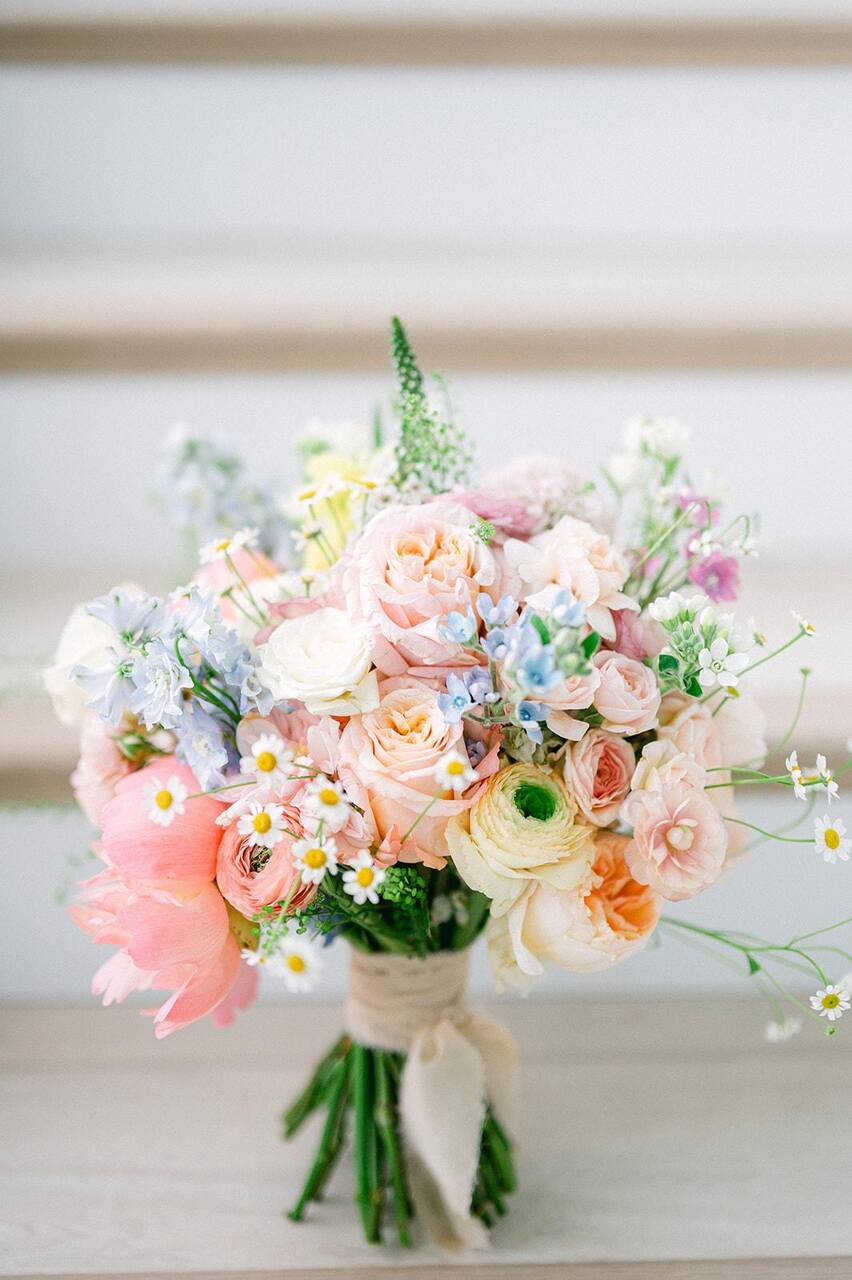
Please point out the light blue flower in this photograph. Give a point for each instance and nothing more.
(456, 701)
(254, 696)
(495, 615)
(537, 671)
(566, 611)
(478, 683)
(496, 644)
(134, 618)
(201, 745)
(460, 628)
(529, 714)
(109, 687)
(160, 680)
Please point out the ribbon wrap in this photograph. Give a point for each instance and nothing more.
(457, 1061)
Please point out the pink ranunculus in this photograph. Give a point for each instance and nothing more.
(575, 556)
(717, 575)
(411, 568)
(100, 768)
(636, 635)
(679, 840)
(598, 770)
(251, 878)
(145, 853)
(394, 751)
(510, 519)
(628, 696)
(167, 939)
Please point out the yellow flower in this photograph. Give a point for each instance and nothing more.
(521, 829)
(332, 497)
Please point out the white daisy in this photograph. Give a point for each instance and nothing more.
(225, 546)
(831, 840)
(827, 782)
(719, 666)
(165, 800)
(298, 961)
(263, 824)
(454, 772)
(363, 878)
(270, 759)
(796, 776)
(326, 799)
(780, 1029)
(315, 858)
(831, 1003)
(808, 627)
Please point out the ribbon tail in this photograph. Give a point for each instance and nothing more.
(499, 1054)
(442, 1106)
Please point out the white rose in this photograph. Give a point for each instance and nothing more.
(322, 659)
(84, 641)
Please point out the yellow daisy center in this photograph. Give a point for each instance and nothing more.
(261, 823)
(455, 768)
(830, 1002)
(223, 544)
(832, 838)
(329, 796)
(295, 964)
(265, 761)
(365, 876)
(163, 799)
(315, 858)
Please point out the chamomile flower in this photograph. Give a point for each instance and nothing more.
(454, 773)
(293, 958)
(780, 1029)
(831, 1003)
(719, 666)
(326, 799)
(827, 781)
(227, 545)
(165, 800)
(794, 769)
(808, 627)
(362, 879)
(831, 840)
(315, 859)
(263, 824)
(270, 759)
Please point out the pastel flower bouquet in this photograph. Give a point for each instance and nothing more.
(468, 709)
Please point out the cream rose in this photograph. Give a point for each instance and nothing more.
(598, 770)
(583, 932)
(661, 765)
(411, 568)
(520, 829)
(628, 696)
(322, 659)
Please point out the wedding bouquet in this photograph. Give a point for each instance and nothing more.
(516, 707)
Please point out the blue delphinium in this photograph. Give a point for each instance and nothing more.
(201, 744)
(160, 679)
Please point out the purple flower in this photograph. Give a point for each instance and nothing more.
(717, 575)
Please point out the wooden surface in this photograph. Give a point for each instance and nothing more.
(445, 41)
(659, 1140)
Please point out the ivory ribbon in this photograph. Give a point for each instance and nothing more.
(456, 1062)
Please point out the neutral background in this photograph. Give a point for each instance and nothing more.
(570, 242)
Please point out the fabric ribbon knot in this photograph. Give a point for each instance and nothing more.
(457, 1062)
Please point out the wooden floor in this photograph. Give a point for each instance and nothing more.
(661, 1141)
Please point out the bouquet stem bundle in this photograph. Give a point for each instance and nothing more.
(364, 1083)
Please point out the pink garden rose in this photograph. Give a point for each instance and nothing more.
(636, 635)
(628, 696)
(251, 877)
(598, 770)
(679, 840)
(395, 751)
(548, 487)
(100, 768)
(411, 568)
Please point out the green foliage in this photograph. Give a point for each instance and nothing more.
(430, 454)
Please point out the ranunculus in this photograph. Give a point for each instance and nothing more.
(394, 752)
(679, 840)
(146, 853)
(411, 568)
(520, 829)
(575, 556)
(583, 932)
(100, 768)
(84, 642)
(628, 696)
(251, 877)
(322, 659)
(598, 770)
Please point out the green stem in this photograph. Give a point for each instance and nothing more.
(331, 1141)
(365, 1137)
(386, 1124)
(311, 1096)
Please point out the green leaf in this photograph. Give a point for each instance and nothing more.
(591, 644)
(753, 966)
(693, 688)
(668, 662)
(542, 630)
